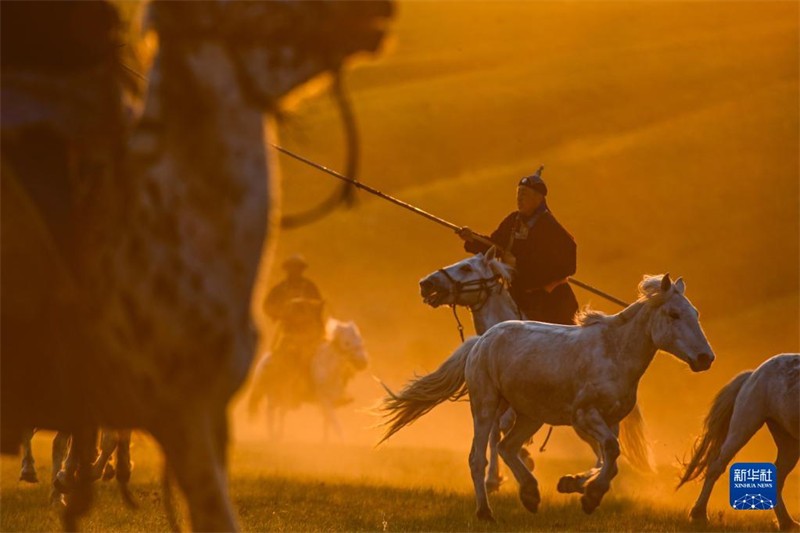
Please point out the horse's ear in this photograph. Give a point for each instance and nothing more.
(503, 270)
(491, 253)
(666, 283)
(680, 285)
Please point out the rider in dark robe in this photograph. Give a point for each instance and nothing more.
(542, 251)
(296, 305)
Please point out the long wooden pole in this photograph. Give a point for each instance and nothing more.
(429, 216)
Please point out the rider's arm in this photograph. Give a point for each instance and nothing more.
(500, 236)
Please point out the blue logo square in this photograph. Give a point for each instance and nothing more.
(753, 486)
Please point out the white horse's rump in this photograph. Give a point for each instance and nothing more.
(770, 394)
(334, 363)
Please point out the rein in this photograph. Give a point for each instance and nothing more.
(483, 286)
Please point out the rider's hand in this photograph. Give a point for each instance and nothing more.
(466, 234)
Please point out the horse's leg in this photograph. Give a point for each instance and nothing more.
(484, 413)
(270, 421)
(124, 462)
(195, 447)
(502, 423)
(280, 422)
(788, 453)
(589, 420)
(576, 482)
(28, 470)
(742, 427)
(494, 479)
(108, 443)
(125, 466)
(79, 498)
(65, 477)
(509, 449)
(330, 421)
(60, 445)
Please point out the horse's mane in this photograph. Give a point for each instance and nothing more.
(649, 292)
(507, 271)
(332, 325)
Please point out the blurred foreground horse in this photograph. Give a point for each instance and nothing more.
(129, 262)
(322, 379)
(584, 376)
(769, 395)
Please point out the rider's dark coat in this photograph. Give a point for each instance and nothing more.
(287, 290)
(545, 253)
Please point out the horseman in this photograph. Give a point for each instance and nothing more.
(296, 305)
(541, 250)
(294, 286)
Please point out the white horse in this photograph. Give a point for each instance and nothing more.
(335, 361)
(583, 376)
(481, 283)
(769, 394)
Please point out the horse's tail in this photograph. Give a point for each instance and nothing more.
(257, 391)
(715, 428)
(424, 393)
(633, 441)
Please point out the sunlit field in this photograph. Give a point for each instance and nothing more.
(312, 487)
(669, 135)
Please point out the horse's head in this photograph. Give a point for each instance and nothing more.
(675, 326)
(347, 339)
(275, 46)
(467, 282)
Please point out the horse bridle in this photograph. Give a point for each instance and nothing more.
(483, 286)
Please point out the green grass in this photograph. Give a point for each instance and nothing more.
(303, 487)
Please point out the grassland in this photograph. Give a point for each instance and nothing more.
(305, 487)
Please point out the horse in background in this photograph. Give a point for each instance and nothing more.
(767, 395)
(315, 373)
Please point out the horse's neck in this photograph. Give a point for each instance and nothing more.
(499, 307)
(632, 341)
(199, 208)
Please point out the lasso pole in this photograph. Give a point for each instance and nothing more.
(429, 216)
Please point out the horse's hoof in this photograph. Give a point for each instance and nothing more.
(530, 498)
(57, 500)
(527, 459)
(109, 472)
(588, 504)
(63, 482)
(493, 485)
(569, 485)
(698, 516)
(485, 515)
(28, 475)
(790, 525)
(591, 498)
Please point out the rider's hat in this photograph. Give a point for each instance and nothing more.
(295, 262)
(535, 182)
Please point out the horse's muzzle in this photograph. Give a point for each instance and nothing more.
(432, 294)
(702, 362)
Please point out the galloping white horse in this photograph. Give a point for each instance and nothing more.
(480, 283)
(583, 376)
(769, 394)
(333, 364)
